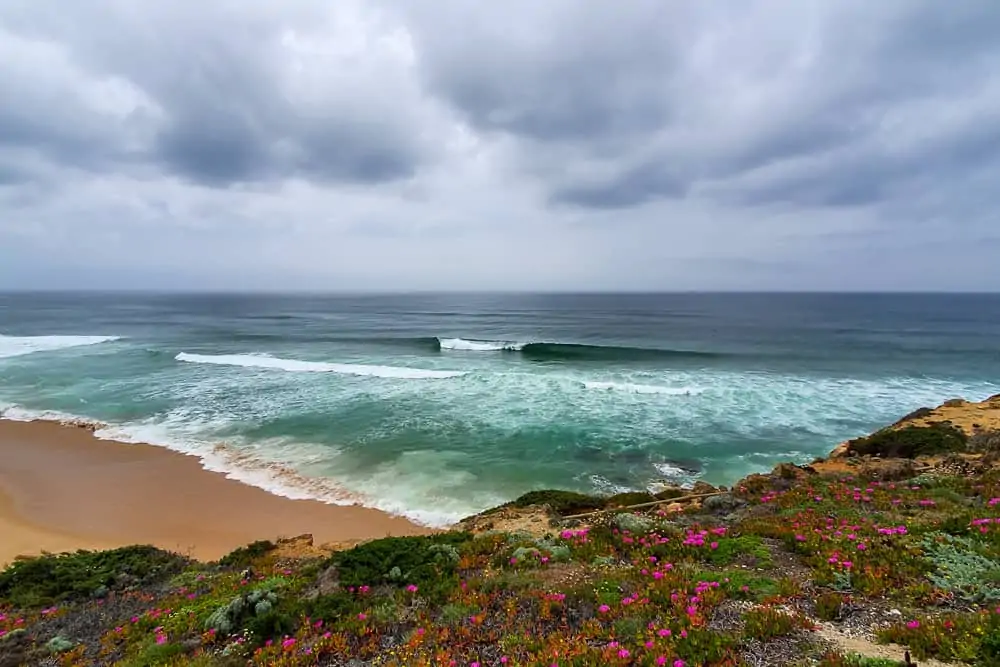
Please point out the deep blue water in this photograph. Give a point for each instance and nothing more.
(440, 405)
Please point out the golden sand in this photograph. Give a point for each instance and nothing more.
(62, 489)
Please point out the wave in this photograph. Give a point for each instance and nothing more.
(568, 351)
(478, 345)
(297, 366)
(630, 388)
(581, 352)
(16, 346)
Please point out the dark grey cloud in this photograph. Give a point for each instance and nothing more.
(428, 144)
(229, 94)
(702, 94)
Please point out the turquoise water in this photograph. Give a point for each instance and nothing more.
(437, 406)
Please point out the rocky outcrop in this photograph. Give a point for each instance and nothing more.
(955, 426)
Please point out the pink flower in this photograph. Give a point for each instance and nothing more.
(161, 638)
(665, 632)
(604, 609)
(412, 588)
(623, 653)
(913, 625)
(288, 643)
(662, 660)
(678, 663)
(362, 616)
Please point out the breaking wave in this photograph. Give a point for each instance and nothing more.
(16, 346)
(570, 351)
(297, 366)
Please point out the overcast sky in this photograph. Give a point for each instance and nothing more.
(453, 144)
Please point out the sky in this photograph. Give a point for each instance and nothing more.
(397, 145)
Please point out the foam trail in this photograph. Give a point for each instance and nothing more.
(478, 345)
(642, 388)
(296, 366)
(16, 346)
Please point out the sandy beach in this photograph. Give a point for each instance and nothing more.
(62, 489)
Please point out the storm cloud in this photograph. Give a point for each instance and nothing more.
(442, 144)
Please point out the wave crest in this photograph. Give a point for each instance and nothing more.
(297, 366)
(569, 351)
(478, 345)
(16, 346)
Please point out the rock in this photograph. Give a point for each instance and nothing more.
(674, 507)
(841, 451)
(703, 487)
(792, 471)
(327, 583)
(893, 470)
(722, 504)
(894, 612)
(634, 523)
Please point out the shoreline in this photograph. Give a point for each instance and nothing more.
(62, 489)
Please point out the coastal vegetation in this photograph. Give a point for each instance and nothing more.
(858, 560)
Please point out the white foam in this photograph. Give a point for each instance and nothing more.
(631, 388)
(16, 413)
(671, 471)
(478, 345)
(296, 366)
(16, 346)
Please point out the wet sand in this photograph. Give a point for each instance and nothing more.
(62, 489)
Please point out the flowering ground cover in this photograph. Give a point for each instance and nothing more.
(769, 572)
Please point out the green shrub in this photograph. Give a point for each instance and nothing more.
(427, 561)
(961, 569)
(561, 502)
(247, 555)
(855, 660)
(910, 442)
(765, 623)
(829, 606)
(630, 498)
(731, 548)
(231, 616)
(55, 578)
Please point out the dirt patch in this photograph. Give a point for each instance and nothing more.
(531, 520)
(862, 646)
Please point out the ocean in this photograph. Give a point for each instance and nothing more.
(439, 406)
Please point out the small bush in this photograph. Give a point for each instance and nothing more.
(829, 606)
(561, 502)
(855, 660)
(630, 498)
(428, 561)
(765, 623)
(961, 569)
(55, 578)
(909, 442)
(247, 555)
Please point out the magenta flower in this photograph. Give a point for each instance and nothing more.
(604, 609)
